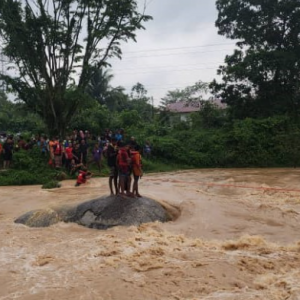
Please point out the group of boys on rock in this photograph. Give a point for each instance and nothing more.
(123, 159)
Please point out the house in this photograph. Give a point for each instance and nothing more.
(181, 110)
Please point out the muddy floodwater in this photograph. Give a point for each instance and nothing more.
(238, 237)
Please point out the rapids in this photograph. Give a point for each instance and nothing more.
(237, 237)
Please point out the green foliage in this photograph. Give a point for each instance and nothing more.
(93, 118)
(189, 94)
(53, 184)
(168, 148)
(29, 160)
(209, 116)
(18, 177)
(23, 161)
(14, 117)
(29, 167)
(51, 43)
(262, 77)
(253, 141)
(99, 88)
(130, 118)
(270, 142)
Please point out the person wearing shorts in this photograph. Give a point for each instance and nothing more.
(123, 163)
(111, 154)
(58, 152)
(97, 156)
(83, 152)
(136, 164)
(68, 156)
(7, 153)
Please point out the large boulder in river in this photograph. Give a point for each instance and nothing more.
(102, 213)
(39, 218)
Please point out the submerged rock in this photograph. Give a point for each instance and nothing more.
(39, 218)
(101, 213)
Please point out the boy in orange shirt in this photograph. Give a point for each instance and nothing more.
(136, 162)
(51, 144)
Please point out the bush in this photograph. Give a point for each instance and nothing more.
(267, 142)
(29, 167)
(51, 185)
(18, 177)
(256, 142)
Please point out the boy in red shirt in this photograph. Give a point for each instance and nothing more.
(83, 176)
(123, 164)
(69, 156)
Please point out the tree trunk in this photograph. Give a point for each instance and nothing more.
(56, 125)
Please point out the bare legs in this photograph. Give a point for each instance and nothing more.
(122, 184)
(135, 187)
(115, 180)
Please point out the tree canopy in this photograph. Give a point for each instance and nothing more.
(262, 77)
(56, 46)
(188, 94)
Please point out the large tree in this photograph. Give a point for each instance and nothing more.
(262, 77)
(56, 46)
(141, 102)
(193, 93)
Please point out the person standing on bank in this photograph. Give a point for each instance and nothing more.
(7, 153)
(58, 153)
(83, 152)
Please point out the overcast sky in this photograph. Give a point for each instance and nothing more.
(179, 47)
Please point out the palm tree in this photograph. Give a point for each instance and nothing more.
(99, 86)
(100, 89)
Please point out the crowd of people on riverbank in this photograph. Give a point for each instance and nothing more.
(79, 150)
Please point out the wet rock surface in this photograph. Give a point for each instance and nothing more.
(39, 218)
(101, 213)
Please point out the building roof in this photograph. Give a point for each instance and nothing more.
(188, 107)
(183, 107)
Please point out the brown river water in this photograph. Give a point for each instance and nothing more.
(237, 237)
